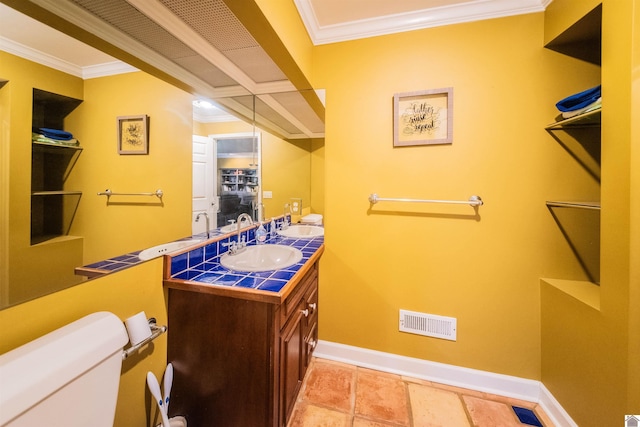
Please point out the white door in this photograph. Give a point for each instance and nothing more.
(205, 197)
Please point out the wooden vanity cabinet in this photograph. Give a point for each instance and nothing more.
(240, 362)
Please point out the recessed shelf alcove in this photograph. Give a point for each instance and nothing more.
(52, 205)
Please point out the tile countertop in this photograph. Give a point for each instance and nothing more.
(199, 270)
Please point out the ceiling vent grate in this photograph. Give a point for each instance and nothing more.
(429, 325)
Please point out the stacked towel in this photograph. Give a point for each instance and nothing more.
(581, 102)
(54, 136)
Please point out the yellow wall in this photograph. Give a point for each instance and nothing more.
(57, 257)
(633, 399)
(591, 356)
(483, 269)
(317, 176)
(167, 167)
(285, 165)
(107, 230)
(144, 220)
(124, 294)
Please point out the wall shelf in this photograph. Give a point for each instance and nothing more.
(581, 137)
(588, 119)
(238, 180)
(576, 205)
(52, 206)
(580, 290)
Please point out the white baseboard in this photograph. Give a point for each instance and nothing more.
(502, 385)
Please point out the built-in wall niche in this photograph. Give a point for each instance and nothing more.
(581, 136)
(580, 225)
(52, 205)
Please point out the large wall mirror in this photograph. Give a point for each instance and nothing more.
(103, 227)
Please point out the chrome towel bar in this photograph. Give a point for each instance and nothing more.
(109, 193)
(473, 200)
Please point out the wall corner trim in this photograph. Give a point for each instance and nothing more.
(489, 382)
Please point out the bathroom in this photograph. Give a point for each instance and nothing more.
(483, 268)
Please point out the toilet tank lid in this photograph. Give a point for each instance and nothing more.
(33, 371)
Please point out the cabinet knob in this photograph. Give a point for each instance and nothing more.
(312, 344)
(313, 306)
(305, 312)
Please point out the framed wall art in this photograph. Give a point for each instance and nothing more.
(133, 134)
(423, 117)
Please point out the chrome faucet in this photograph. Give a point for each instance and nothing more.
(234, 247)
(206, 217)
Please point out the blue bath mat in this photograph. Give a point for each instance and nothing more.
(527, 416)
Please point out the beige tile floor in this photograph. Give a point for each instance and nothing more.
(339, 395)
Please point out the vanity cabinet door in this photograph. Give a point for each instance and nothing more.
(292, 351)
(298, 338)
(311, 327)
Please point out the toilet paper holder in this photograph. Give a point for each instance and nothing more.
(156, 331)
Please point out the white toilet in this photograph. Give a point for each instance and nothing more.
(68, 377)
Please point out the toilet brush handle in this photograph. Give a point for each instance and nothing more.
(154, 387)
(168, 382)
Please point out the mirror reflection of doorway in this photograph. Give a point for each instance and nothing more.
(233, 177)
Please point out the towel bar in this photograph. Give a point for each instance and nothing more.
(109, 193)
(473, 200)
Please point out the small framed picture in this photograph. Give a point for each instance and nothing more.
(133, 134)
(423, 118)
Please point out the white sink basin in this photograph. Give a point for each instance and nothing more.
(262, 258)
(166, 248)
(302, 231)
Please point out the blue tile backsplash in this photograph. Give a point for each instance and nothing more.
(203, 264)
(193, 267)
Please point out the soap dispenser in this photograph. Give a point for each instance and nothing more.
(261, 235)
(272, 228)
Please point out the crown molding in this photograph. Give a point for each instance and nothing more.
(90, 72)
(416, 20)
(107, 69)
(39, 57)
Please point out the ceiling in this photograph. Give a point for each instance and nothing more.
(330, 21)
(181, 42)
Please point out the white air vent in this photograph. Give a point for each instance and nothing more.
(429, 325)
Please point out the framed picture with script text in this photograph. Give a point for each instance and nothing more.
(133, 134)
(423, 117)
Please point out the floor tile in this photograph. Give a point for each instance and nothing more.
(362, 422)
(542, 416)
(336, 394)
(435, 407)
(315, 416)
(330, 385)
(381, 398)
(487, 413)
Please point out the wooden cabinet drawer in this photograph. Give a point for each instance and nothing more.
(289, 305)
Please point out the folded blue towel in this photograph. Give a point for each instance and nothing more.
(580, 100)
(56, 134)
